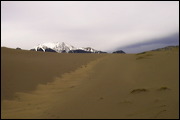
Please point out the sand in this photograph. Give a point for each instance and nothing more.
(90, 85)
(22, 70)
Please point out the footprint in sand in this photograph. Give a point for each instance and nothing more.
(101, 98)
(163, 89)
(159, 113)
(72, 87)
(162, 111)
(139, 90)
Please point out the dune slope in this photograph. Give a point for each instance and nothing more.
(22, 70)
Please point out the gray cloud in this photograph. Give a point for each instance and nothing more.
(171, 40)
(101, 25)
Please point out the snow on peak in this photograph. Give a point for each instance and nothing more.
(62, 47)
(57, 46)
(89, 49)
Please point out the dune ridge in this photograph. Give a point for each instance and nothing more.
(23, 70)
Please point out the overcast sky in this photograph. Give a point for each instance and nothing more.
(101, 25)
(172, 40)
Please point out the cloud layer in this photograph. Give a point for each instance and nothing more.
(101, 25)
(171, 40)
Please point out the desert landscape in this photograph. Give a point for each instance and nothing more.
(91, 86)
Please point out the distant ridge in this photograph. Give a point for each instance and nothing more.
(119, 51)
(166, 48)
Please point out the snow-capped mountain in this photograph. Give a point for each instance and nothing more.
(57, 47)
(89, 49)
(63, 48)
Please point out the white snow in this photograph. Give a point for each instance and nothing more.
(59, 47)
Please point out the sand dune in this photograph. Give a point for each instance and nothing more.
(90, 85)
(23, 70)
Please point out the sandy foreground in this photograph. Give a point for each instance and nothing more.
(55, 86)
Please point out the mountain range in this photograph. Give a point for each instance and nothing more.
(64, 48)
